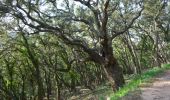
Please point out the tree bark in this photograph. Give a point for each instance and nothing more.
(113, 71)
(157, 50)
(114, 74)
(127, 41)
(35, 63)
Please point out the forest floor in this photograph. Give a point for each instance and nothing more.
(157, 88)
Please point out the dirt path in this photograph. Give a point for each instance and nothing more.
(159, 90)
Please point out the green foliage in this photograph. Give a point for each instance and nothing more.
(51, 47)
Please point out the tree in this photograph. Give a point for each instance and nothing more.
(87, 25)
(151, 24)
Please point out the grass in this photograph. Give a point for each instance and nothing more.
(137, 80)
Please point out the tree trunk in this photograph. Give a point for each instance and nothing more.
(157, 50)
(114, 74)
(127, 41)
(58, 92)
(111, 67)
(126, 61)
(157, 44)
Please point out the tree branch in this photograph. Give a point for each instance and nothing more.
(128, 26)
(93, 55)
(105, 18)
(95, 12)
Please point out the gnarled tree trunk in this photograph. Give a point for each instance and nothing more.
(114, 74)
(111, 67)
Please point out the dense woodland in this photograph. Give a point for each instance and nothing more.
(50, 48)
